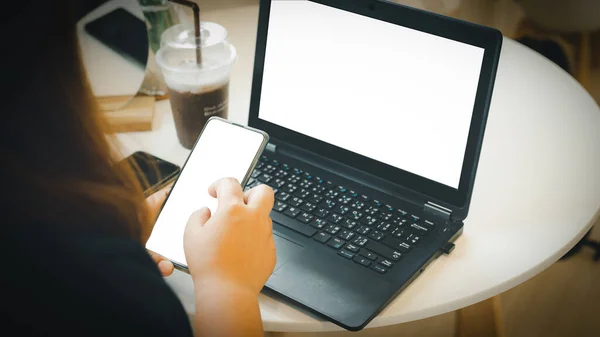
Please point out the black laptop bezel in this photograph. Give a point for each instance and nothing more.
(489, 39)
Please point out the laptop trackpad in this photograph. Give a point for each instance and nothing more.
(286, 250)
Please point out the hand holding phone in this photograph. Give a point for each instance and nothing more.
(233, 245)
(223, 149)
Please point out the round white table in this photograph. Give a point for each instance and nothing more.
(537, 190)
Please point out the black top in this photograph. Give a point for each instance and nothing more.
(59, 283)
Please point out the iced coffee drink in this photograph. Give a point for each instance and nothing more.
(196, 91)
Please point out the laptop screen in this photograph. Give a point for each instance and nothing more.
(396, 95)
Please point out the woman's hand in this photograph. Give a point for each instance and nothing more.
(230, 255)
(233, 247)
(153, 203)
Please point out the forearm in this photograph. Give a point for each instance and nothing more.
(226, 310)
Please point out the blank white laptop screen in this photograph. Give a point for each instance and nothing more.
(222, 150)
(387, 92)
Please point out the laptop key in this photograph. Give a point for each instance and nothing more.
(364, 198)
(379, 269)
(318, 223)
(331, 194)
(332, 229)
(414, 218)
(364, 230)
(355, 215)
(385, 216)
(289, 188)
(264, 178)
(349, 223)
(388, 208)
(361, 260)
(318, 189)
(368, 254)
(281, 174)
(255, 174)
(384, 251)
(307, 206)
(358, 205)
(369, 220)
(336, 243)
(360, 241)
(386, 263)
(279, 206)
(352, 194)
(419, 229)
(322, 237)
(346, 254)
(327, 204)
(413, 239)
(376, 203)
(341, 209)
(352, 248)
(371, 210)
(384, 226)
(282, 196)
(401, 213)
(269, 169)
(260, 165)
(305, 184)
(295, 202)
(315, 198)
(293, 224)
(305, 217)
(345, 199)
(292, 212)
(346, 234)
(428, 223)
(396, 244)
(321, 213)
(398, 233)
(276, 183)
(302, 193)
(376, 235)
(335, 218)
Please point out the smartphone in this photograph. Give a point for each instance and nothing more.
(152, 173)
(223, 149)
(122, 32)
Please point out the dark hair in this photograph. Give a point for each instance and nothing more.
(57, 155)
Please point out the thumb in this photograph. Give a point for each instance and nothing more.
(199, 217)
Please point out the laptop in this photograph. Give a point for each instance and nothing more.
(376, 114)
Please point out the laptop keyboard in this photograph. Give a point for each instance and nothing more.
(367, 231)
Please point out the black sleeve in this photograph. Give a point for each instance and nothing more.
(88, 285)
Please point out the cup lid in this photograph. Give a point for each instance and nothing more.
(183, 35)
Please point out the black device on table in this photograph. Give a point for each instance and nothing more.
(124, 33)
(376, 113)
(152, 173)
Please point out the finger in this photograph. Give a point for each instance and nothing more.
(261, 197)
(165, 266)
(156, 200)
(199, 217)
(227, 190)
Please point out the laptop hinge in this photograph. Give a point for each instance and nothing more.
(270, 148)
(437, 210)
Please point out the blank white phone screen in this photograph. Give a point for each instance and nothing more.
(223, 150)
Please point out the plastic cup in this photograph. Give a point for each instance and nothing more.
(196, 91)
